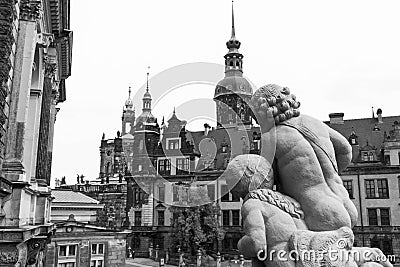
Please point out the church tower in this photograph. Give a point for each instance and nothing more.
(128, 115)
(146, 135)
(233, 93)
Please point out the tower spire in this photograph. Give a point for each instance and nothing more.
(148, 73)
(233, 23)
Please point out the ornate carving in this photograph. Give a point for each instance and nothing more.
(45, 39)
(279, 200)
(8, 255)
(35, 245)
(30, 10)
(50, 69)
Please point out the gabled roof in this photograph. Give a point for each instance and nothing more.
(68, 196)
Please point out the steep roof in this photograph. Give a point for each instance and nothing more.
(370, 133)
(67, 196)
(367, 129)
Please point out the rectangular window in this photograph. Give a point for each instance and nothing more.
(225, 217)
(235, 218)
(175, 196)
(173, 144)
(224, 193)
(161, 166)
(160, 217)
(97, 263)
(349, 187)
(385, 219)
(67, 250)
(370, 188)
(383, 191)
(211, 192)
(372, 217)
(138, 218)
(161, 193)
(167, 165)
(164, 166)
(182, 166)
(98, 249)
(67, 255)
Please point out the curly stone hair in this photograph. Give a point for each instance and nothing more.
(276, 99)
(249, 172)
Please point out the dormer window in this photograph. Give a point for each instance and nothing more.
(173, 143)
(353, 138)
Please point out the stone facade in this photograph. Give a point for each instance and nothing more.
(86, 245)
(35, 61)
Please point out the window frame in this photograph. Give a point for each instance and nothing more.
(160, 219)
(68, 258)
(138, 219)
(369, 188)
(382, 188)
(349, 187)
(374, 218)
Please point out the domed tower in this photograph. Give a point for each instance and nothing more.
(128, 115)
(146, 137)
(234, 91)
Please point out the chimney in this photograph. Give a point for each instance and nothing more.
(379, 113)
(336, 118)
(207, 128)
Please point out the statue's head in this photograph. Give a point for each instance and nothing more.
(275, 99)
(248, 172)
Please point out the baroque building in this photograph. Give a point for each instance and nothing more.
(78, 240)
(35, 61)
(373, 178)
(147, 164)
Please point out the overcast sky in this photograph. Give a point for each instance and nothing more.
(335, 56)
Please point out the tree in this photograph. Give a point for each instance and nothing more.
(195, 225)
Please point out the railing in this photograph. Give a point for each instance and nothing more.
(101, 188)
(142, 228)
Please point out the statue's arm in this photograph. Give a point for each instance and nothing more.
(254, 227)
(343, 150)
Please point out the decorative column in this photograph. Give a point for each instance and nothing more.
(43, 161)
(30, 12)
(7, 40)
(32, 128)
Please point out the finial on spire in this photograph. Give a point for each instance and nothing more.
(148, 73)
(233, 23)
(129, 92)
(373, 113)
(174, 110)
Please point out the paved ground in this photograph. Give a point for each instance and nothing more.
(144, 262)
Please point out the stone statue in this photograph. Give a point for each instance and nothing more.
(312, 211)
(310, 155)
(273, 222)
